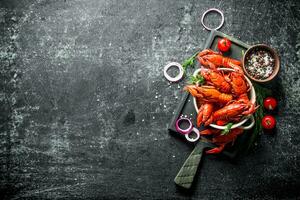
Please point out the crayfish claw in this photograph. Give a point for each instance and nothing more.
(216, 150)
(209, 121)
(251, 109)
(210, 131)
(199, 117)
(192, 89)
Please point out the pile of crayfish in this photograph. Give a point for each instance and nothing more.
(223, 98)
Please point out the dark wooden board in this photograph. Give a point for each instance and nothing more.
(186, 107)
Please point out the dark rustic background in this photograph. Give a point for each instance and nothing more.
(84, 105)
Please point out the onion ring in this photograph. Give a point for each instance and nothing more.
(212, 10)
(176, 78)
(184, 131)
(195, 130)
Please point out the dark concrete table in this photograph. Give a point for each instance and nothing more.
(85, 108)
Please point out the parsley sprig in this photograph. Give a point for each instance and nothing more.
(197, 80)
(227, 129)
(190, 62)
(243, 52)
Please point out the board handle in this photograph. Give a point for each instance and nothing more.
(186, 174)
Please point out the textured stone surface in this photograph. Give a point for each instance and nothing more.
(85, 108)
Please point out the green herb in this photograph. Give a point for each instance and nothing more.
(197, 80)
(189, 62)
(261, 94)
(243, 52)
(227, 129)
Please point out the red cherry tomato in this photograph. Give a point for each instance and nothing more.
(270, 103)
(268, 122)
(224, 44)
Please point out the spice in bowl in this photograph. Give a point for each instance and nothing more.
(261, 63)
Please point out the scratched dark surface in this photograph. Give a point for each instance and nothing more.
(85, 108)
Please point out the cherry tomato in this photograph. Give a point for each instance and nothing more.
(224, 44)
(270, 103)
(268, 122)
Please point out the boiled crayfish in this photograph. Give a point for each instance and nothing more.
(221, 140)
(208, 94)
(223, 98)
(234, 111)
(205, 114)
(238, 83)
(216, 79)
(213, 60)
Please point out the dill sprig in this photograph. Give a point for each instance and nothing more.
(261, 94)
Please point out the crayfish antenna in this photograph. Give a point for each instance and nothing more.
(206, 52)
(237, 68)
(208, 86)
(251, 110)
(203, 69)
(249, 86)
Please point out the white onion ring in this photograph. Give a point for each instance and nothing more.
(212, 10)
(195, 130)
(176, 78)
(184, 131)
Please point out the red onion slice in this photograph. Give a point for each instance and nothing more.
(180, 74)
(188, 138)
(184, 131)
